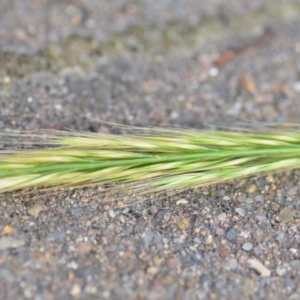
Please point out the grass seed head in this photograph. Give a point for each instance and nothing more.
(160, 159)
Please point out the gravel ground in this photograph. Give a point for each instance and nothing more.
(175, 63)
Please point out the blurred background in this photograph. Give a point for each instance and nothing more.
(182, 63)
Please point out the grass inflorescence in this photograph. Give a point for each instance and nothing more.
(155, 159)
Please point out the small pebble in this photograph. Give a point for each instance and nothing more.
(178, 240)
(122, 219)
(7, 229)
(231, 234)
(232, 264)
(125, 210)
(249, 201)
(213, 72)
(84, 199)
(72, 265)
(280, 237)
(241, 211)
(84, 247)
(76, 290)
(208, 240)
(221, 218)
(148, 236)
(293, 191)
(223, 252)
(111, 213)
(281, 271)
(247, 246)
(197, 240)
(152, 270)
(158, 260)
(167, 216)
(258, 198)
(219, 231)
(182, 201)
(120, 204)
(286, 214)
(35, 210)
(183, 224)
(6, 80)
(91, 289)
(251, 188)
(259, 267)
(58, 236)
(153, 209)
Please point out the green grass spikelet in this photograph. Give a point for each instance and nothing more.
(161, 159)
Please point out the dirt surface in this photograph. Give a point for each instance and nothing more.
(168, 63)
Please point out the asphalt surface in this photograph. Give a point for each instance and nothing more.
(177, 63)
